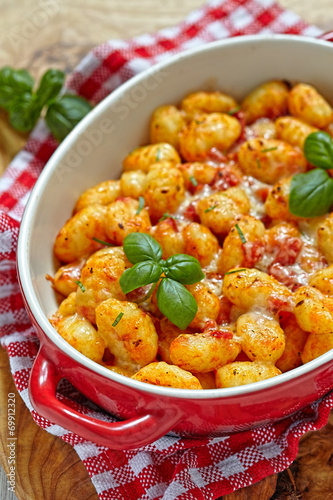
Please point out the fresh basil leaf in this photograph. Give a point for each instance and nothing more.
(65, 113)
(183, 268)
(24, 112)
(141, 274)
(176, 303)
(311, 194)
(318, 149)
(50, 85)
(13, 83)
(139, 247)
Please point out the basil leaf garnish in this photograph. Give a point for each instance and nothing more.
(318, 150)
(176, 303)
(139, 247)
(141, 274)
(311, 194)
(183, 268)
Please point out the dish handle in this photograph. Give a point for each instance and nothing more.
(124, 435)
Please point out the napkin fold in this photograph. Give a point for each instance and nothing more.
(172, 467)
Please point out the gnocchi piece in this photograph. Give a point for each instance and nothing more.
(132, 183)
(243, 373)
(266, 101)
(75, 240)
(81, 335)
(169, 237)
(263, 127)
(207, 131)
(322, 280)
(164, 191)
(204, 352)
(277, 202)
(208, 305)
(123, 217)
(235, 253)
(313, 310)
(68, 306)
(102, 194)
(218, 210)
(201, 243)
(167, 333)
(262, 339)
(306, 103)
(100, 280)
(316, 345)
(295, 341)
(65, 278)
(141, 158)
(166, 124)
(128, 332)
(250, 288)
(325, 238)
(202, 173)
(293, 130)
(207, 102)
(160, 373)
(269, 160)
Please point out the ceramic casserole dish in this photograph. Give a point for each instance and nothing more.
(92, 153)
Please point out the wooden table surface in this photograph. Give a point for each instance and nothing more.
(47, 468)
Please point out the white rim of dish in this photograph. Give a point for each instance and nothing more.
(23, 247)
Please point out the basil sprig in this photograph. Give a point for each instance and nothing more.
(173, 299)
(24, 105)
(311, 194)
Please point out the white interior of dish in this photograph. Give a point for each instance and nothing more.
(94, 151)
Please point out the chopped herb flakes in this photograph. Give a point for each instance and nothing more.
(193, 181)
(118, 318)
(141, 204)
(103, 242)
(80, 285)
(241, 235)
(210, 208)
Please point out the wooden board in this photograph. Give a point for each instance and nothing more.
(59, 33)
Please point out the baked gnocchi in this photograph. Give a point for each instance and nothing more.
(213, 187)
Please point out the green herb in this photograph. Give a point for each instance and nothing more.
(65, 113)
(118, 318)
(258, 163)
(103, 242)
(311, 194)
(318, 150)
(235, 271)
(193, 181)
(210, 208)
(234, 111)
(158, 154)
(268, 149)
(167, 216)
(141, 204)
(169, 276)
(80, 285)
(24, 105)
(241, 235)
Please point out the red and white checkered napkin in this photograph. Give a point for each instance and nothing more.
(171, 468)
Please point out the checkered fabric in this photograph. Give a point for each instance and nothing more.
(172, 467)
